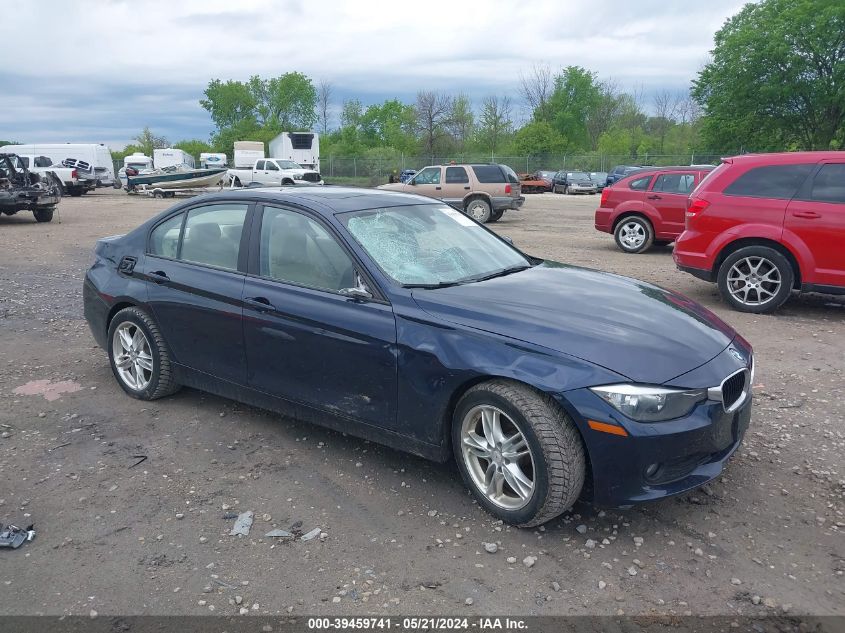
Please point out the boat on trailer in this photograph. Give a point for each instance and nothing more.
(170, 178)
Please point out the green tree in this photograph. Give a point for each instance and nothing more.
(777, 77)
(539, 137)
(229, 103)
(389, 125)
(576, 95)
(461, 121)
(494, 123)
(147, 141)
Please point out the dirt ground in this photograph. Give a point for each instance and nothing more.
(118, 535)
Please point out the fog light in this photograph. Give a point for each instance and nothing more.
(651, 470)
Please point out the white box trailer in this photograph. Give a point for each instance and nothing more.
(247, 152)
(171, 157)
(300, 147)
(213, 159)
(95, 156)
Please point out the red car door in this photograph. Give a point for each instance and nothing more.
(668, 196)
(816, 219)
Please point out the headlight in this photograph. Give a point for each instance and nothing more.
(650, 404)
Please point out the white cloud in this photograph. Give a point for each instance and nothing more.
(124, 64)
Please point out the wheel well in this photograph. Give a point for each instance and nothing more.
(478, 196)
(115, 309)
(759, 241)
(287, 181)
(629, 214)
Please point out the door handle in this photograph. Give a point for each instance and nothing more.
(655, 198)
(467, 188)
(159, 277)
(259, 304)
(438, 188)
(810, 215)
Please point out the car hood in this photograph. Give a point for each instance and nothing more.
(643, 332)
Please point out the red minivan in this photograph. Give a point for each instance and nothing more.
(648, 206)
(763, 225)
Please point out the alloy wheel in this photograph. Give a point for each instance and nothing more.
(132, 356)
(754, 280)
(497, 457)
(632, 235)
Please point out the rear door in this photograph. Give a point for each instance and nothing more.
(306, 342)
(817, 217)
(668, 196)
(455, 186)
(194, 274)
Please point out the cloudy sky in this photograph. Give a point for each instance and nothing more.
(96, 71)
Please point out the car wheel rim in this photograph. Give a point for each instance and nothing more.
(754, 281)
(476, 211)
(632, 235)
(497, 457)
(132, 356)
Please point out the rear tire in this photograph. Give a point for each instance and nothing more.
(479, 210)
(44, 215)
(495, 216)
(149, 364)
(756, 279)
(76, 192)
(634, 234)
(535, 447)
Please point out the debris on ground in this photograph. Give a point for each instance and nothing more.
(310, 535)
(13, 537)
(242, 524)
(278, 534)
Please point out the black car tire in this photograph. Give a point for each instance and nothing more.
(162, 382)
(773, 259)
(76, 191)
(643, 225)
(495, 216)
(559, 460)
(44, 215)
(478, 209)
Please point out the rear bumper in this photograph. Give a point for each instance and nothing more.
(604, 220)
(705, 275)
(504, 203)
(691, 254)
(96, 311)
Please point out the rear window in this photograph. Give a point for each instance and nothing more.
(829, 184)
(489, 173)
(640, 184)
(771, 181)
(709, 176)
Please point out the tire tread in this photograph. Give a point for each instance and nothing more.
(166, 384)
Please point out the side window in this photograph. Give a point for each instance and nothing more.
(640, 184)
(299, 250)
(674, 183)
(164, 238)
(213, 235)
(271, 166)
(829, 184)
(456, 175)
(488, 173)
(259, 165)
(428, 176)
(771, 181)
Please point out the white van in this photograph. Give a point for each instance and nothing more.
(93, 158)
(171, 157)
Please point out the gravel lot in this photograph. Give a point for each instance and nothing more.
(401, 534)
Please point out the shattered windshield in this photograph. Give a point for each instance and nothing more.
(431, 245)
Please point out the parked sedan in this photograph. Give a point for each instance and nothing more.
(397, 318)
(600, 178)
(573, 182)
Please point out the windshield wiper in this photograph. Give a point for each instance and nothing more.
(439, 284)
(502, 273)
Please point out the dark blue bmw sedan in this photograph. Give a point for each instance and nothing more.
(397, 318)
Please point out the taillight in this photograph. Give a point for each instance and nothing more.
(605, 194)
(696, 206)
(507, 188)
(73, 174)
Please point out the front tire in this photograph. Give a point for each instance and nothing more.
(518, 452)
(44, 215)
(479, 210)
(138, 356)
(634, 234)
(756, 279)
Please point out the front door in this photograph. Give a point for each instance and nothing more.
(195, 284)
(427, 183)
(272, 174)
(669, 197)
(817, 217)
(306, 342)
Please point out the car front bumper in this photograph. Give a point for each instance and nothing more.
(580, 189)
(687, 452)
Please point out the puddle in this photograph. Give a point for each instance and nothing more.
(47, 388)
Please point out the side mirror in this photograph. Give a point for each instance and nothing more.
(507, 239)
(356, 293)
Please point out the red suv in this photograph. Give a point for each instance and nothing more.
(762, 225)
(647, 206)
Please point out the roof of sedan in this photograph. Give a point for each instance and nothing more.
(327, 197)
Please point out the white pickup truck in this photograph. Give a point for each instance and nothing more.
(274, 172)
(66, 177)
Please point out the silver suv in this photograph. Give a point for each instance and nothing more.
(483, 192)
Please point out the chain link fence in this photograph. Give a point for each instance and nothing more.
(378, 168)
